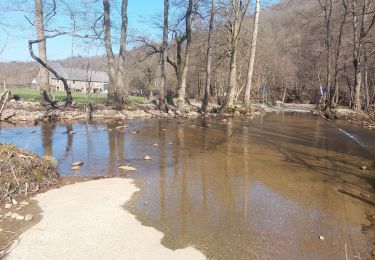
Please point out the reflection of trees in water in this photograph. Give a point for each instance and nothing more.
(47, 133)
(116, 142)
(162, 170)
(69, 141)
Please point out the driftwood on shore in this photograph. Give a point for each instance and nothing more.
(3, 101)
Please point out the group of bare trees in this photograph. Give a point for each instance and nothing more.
(348, 25)
(231, 15)
(223, 51)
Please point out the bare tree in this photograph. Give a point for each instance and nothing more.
(164, 55)
(235, 11)
(188, 32)
(209, 58)
(44, 87)
(252, 56)
(335, 97)
(117, 92)
(69, 98)
(360, 11)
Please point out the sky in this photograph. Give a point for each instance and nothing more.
(16, 35)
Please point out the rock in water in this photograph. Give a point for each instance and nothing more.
(74, 168)
(127, 168)
(120, 127)
(79, 163)
(156, 145)
(20, 217)
(28, 217)
(147, 157)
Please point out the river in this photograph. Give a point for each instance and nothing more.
(266, 188)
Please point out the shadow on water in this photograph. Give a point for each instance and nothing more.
(244, 189)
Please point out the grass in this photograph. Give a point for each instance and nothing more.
(95, 98)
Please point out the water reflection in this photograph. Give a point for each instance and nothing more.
(241, 190)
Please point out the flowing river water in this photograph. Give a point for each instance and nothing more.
(242, 189)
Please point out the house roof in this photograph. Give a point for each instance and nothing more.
(79, 74)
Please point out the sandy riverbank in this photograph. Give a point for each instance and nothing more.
(87, 221)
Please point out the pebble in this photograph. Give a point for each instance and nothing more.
(79, 163)
(321, 237)
(146, 203)
(28, 217)
(121, 127)
(14, 202)
(7, 206)
(156, 145)
(127, 168)
(363, 168)
(25, 203)
(20, 217)
(147, 157)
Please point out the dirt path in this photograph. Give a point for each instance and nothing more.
(87, 221)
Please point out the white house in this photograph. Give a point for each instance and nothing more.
(79, 80)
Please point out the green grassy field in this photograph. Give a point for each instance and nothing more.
(80, 98)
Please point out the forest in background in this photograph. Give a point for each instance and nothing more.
(316, 51)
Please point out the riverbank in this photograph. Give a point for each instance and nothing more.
(87, 220)
(25, 111)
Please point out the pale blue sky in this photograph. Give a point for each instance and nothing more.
(140, 13)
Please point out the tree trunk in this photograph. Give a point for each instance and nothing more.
(209, 59)
(252, 57)
(365, 80)
(69, 98)
(121, 75)
(232, 79)
(44, 87)
(239, 11)
(164, 55)
(182, 89)
(335, 97)
(112, 86)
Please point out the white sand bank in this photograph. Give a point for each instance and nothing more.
(87, 221)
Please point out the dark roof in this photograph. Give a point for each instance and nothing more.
(79, 74)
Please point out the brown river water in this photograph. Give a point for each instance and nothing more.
(246, 189)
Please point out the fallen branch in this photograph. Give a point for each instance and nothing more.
(69, 98)
(3, 100)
